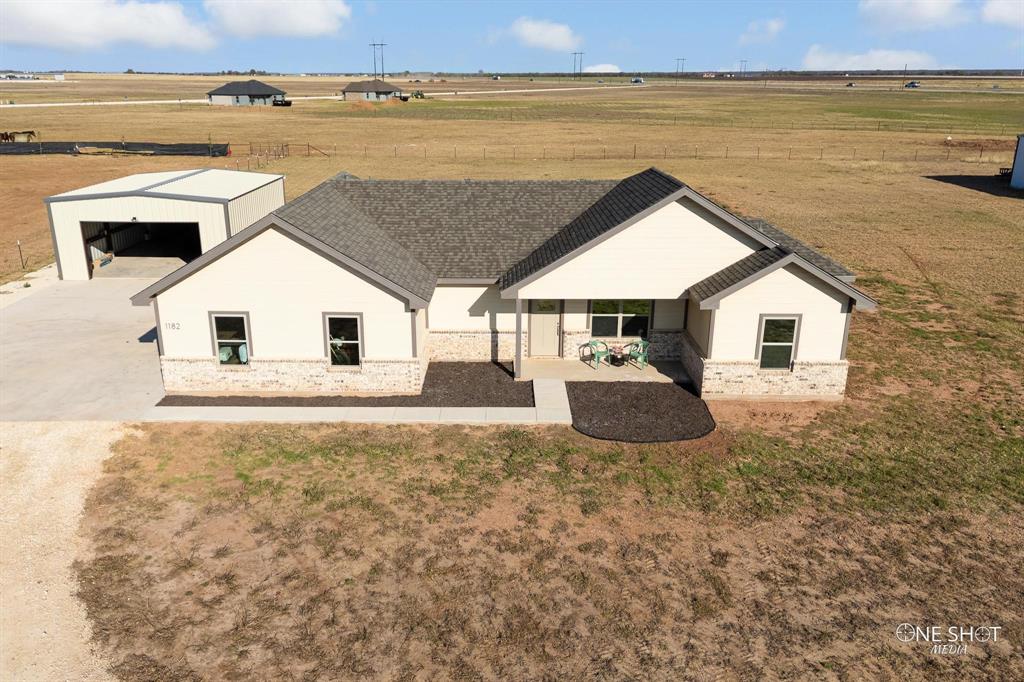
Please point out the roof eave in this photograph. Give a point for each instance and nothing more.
(509, 290)
(146, 295)
(861, 299)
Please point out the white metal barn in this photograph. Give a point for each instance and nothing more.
(1017, 176)
(175, 216)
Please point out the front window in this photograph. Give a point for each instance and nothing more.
(631, 317)
(778, 339)
(231, 335)
(343, 340)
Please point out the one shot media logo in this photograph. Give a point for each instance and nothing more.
(950, 639)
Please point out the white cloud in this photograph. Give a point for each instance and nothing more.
(819, 58)
(762, 31)
(1007, 12)
(602, 68)
(914, 15)
(92, 24)
(308, 18)
(544, 34)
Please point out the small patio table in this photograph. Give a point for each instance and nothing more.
(617, 356)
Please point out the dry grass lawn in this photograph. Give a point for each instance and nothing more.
(451, 553)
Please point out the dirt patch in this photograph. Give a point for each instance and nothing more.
(775, 418)
(447, 384)
(637, 412)
(421, 553)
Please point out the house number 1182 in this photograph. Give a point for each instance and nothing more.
(172, 325)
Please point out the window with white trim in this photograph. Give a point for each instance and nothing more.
(778, 340)
(231, 337)
(626, 318)
(343, 340)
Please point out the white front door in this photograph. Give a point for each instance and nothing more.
(545, 327)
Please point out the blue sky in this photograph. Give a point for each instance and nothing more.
(332, 35)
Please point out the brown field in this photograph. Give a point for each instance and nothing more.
(789, 543)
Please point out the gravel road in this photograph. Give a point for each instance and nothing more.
(46, 468)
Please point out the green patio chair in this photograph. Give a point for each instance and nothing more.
(598, 351)
(638, 352)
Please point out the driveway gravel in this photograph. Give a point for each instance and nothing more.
(46, 468)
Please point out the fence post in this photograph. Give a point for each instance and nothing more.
(758, 153)
(456, 150)
(695, 151)
(727, 151)
(947, 153)
(364, 151)
(396, 151)
(854, 158)
(915, 155)
(883, 154)
(485, 152)
(790, 157)
(634, 151)
(604, 152)
(981, 151)
(664, 151)
(574, 152)
(513, 152)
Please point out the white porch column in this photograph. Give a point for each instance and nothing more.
(518, 364)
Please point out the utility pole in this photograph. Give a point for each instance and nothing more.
(680, 69)
(743, 67)
(576, 55)
(904, 82)
(374, 47)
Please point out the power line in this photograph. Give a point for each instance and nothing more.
(743, 67)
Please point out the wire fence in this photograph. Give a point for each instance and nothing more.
(258, 155)
(557, 114)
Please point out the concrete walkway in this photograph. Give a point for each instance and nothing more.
(551, 406)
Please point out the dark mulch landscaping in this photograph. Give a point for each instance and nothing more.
(638, 412)
(447, 384)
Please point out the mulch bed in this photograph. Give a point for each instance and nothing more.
(638, 412)
(447, 384)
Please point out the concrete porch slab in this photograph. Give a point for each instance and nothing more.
(573, 369)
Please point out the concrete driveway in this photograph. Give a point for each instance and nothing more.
(79, 351)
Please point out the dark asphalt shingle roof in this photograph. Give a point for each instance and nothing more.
(371, 86)
(625, 200)
(252, 88)
(738, 271)
(414, 232)
(449, 228)
(343, 227)
(809, 254)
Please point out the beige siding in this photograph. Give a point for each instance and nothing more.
(68, 216)
(463, 308)
(669, 314)
(788, 291)
(658, 257)
(257, 204)
(698, 324)
(285, 303)
(575, 315)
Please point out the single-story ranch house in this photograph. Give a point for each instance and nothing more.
(357, 285)
(245, 93)
(373, 91)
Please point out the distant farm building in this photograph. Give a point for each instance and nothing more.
(373, 91)
(1017, 175)
(245, 93)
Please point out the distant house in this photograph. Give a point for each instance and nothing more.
(245, 93)
(373, 91)
(1017, 175)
